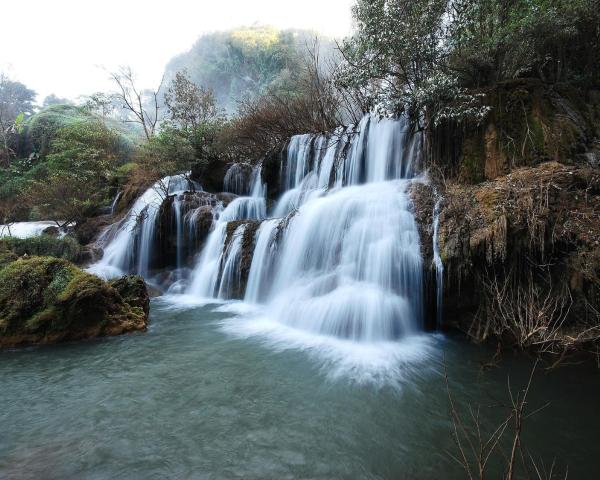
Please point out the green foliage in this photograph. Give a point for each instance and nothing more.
(12, 205)
(168, 152)
(16, 102)
(554, 40)
(429, 56)
(40, 131)
(78, 169)
(189, 138)
(6, 257)
(123, 172)
(43, 245)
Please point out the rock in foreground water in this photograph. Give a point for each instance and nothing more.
(49, 300)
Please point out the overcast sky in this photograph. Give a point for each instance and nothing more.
(62, 46)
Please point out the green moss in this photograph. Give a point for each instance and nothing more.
(472, 163)
(42, 297)
(133, 290)
(6, 257)
(23, 284)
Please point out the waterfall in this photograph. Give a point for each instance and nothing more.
(262, 261)
(131, 247)
(238, 179)
(437, 262)
(340, 254)
(337, 256)
(115, 202)
(216, 255)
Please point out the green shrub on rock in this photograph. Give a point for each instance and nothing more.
(44, 246)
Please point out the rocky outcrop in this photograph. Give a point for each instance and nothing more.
(133, 291)
(529, 122)
(210, 175)
(522, 256)
(49, 300)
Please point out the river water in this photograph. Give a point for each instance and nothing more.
(191, 398)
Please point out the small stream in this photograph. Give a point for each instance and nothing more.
(188, 399)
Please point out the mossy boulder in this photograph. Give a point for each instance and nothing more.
(132, 289)
(49, 300)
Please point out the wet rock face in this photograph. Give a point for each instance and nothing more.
(423, 200)
(196, 210)
(251, 226)
(538, 227)
(528, 123)
(49, 300)
(271, 173)
(238, 179)
(210, 176)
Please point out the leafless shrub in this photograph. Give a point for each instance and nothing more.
(531, 315)
(476, 448)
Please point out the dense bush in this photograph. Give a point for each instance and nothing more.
(41, 130)
(44, 245)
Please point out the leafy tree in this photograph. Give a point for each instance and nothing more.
(194, 122)
(431, 56)
(189, 105)
(16, 103)
(554, 40)
(13, 202)
(73, 181)
(100, 103)
(168, 152)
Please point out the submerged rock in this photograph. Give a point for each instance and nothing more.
(49, 300)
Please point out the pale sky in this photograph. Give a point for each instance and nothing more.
(62, 46)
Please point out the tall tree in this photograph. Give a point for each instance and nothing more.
(142, 105)
(190, 105)
(16, 103)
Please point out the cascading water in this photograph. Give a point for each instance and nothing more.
(348, 263)
(340, 256)
(437, 262)
(212, 275)
(130, 248)
(336, 259)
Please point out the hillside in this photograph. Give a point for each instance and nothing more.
(245, 62)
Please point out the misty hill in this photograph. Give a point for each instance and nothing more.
(245, 62)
